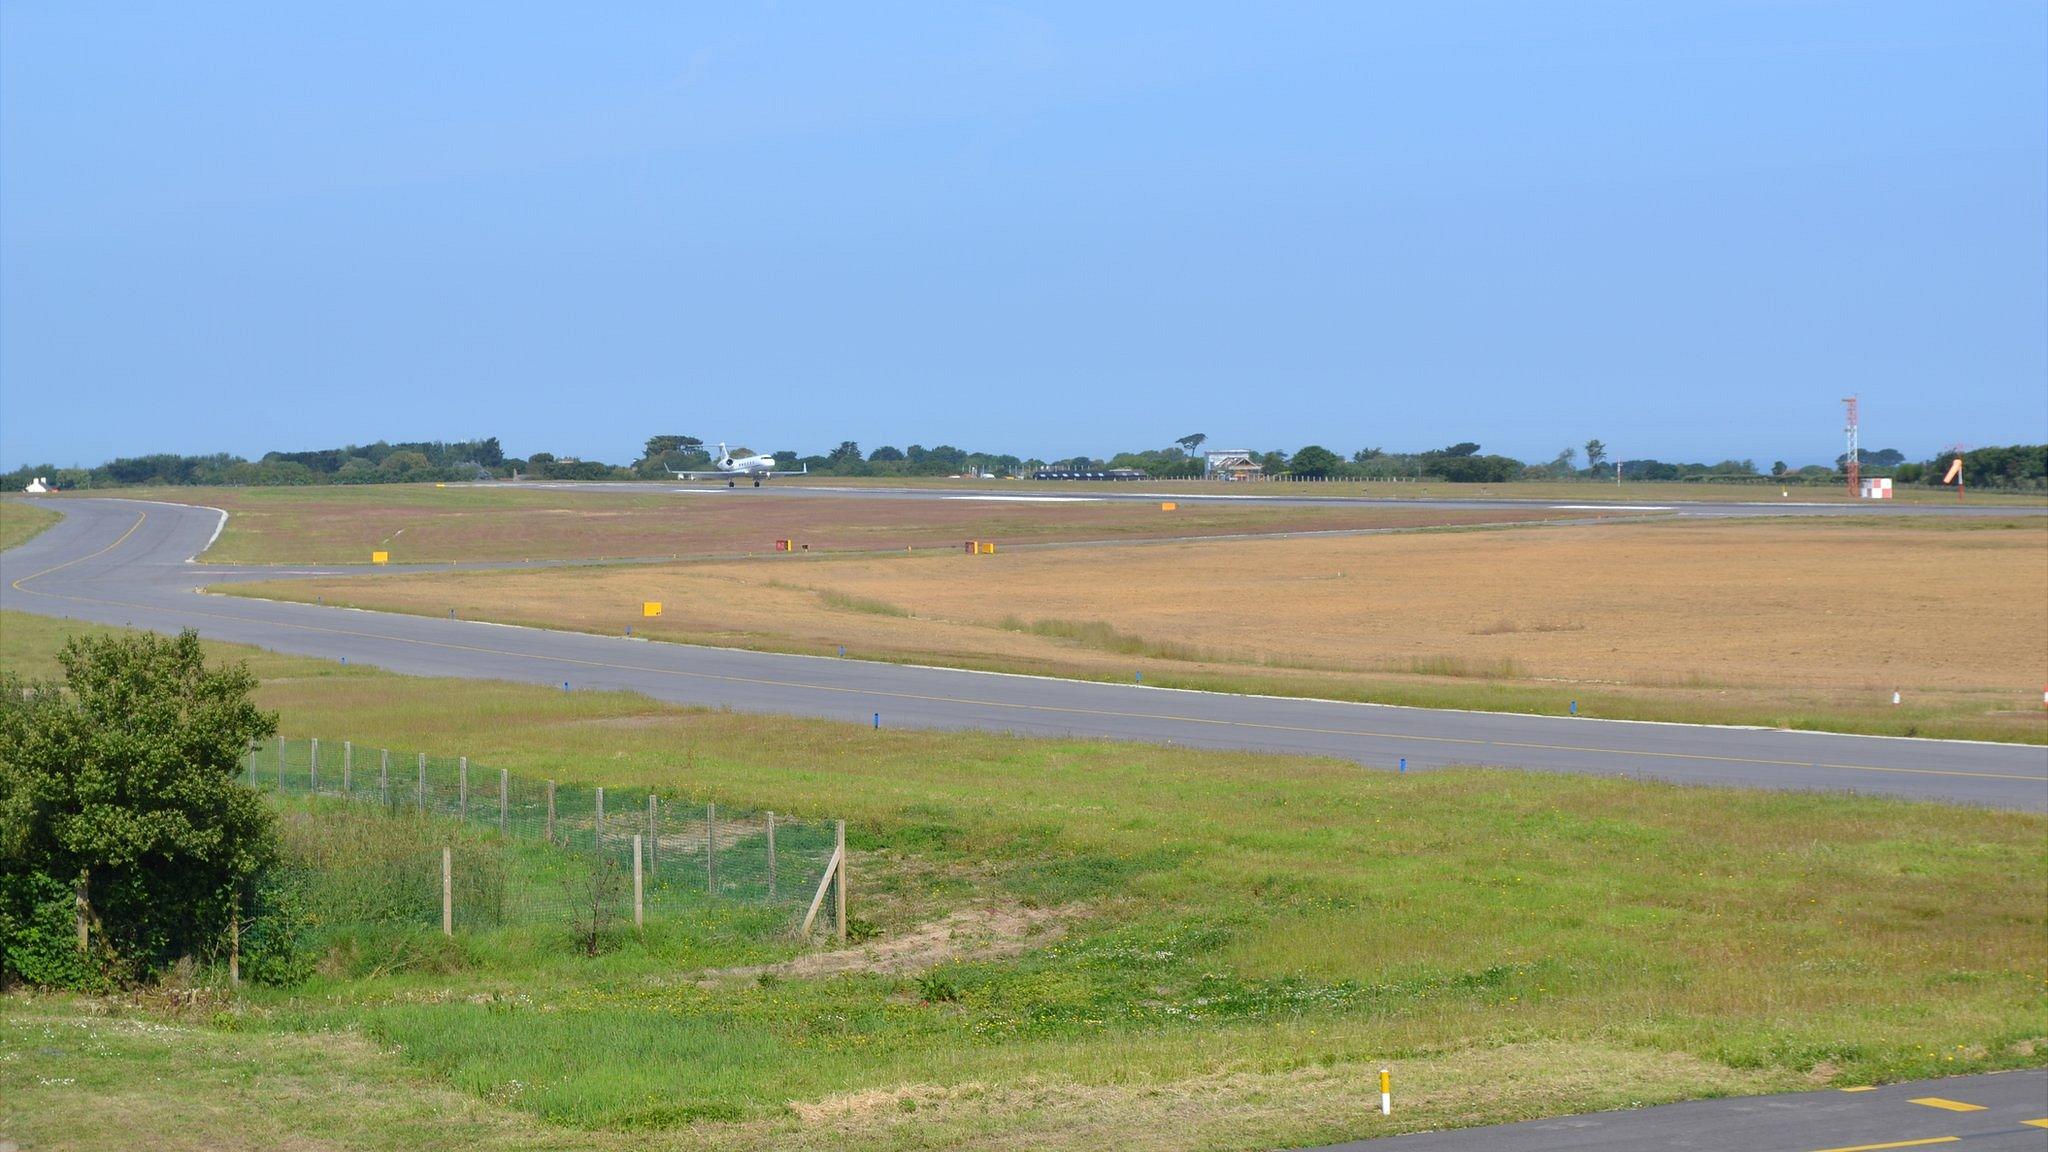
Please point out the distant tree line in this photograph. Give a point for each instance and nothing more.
(2022, 467)
(379, 463)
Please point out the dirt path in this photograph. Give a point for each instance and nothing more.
(970, 934)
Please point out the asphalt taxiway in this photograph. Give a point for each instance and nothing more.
(127, 562)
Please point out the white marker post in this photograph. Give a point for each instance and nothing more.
(1386, 1093)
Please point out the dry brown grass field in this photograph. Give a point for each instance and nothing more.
(1803, 623)
(427, 524)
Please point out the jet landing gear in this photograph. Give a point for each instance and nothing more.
(757, 483)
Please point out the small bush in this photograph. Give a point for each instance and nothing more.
(39, 935)
(277, 946)
(937, 987)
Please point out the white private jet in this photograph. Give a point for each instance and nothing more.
(732, 469)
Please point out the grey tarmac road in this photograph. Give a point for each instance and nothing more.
(128, 562)
(1994, 1112)
(1598, 499)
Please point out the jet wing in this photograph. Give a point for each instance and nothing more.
(702, 475)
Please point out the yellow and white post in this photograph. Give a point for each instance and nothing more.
(1386, 1093)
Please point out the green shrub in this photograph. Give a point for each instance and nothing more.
(39, 934)
(125, 779)
(276, 945)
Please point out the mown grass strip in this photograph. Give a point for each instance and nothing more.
(1236, 944)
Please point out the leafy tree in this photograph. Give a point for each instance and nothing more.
(1881, 458)
(357, 470)
(404, 464)
(1777, 468)
(659, 446)
(1474, 469)
(1651, 470)
(664, 454)
(2014, 466)
(848, 451)
(122, 785)
(1315, 460)
(1364, 455)
(1596, 454)
(1192, 441)
(885, 455)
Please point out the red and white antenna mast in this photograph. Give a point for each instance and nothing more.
(1854, 461)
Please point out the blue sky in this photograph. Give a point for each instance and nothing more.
(1685, 228)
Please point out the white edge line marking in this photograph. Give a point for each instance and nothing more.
(217, 528)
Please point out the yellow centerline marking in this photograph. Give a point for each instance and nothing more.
(1949, 1105)
(1862, 1088)
(1895, 1144)
(971, 701)
(139, 518)
(2035, 1123)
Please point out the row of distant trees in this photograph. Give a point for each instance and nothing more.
(2013, 467)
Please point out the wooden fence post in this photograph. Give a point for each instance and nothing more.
(597, 824)
(280, 763)
(423, 782)
(504, 795)
(447, 892)
(313, 767)
(636, 883)
(771, 854)
(839, 843)
(384, 778)
(348, 759)
(653, 833)
(818, 899)
(84, 897)
(462, 787)
(551, 811)
(235, 946)
(711, 848)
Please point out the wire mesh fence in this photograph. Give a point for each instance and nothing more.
(439, 840)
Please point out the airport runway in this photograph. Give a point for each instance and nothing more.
(1598, 498)
(126, 562)
(1994, 1112)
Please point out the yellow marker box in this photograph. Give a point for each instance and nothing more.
(650, 607)
(1168, 506)
(380, 557)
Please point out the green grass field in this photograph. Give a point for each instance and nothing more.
(20, 522)
(1227, 950)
